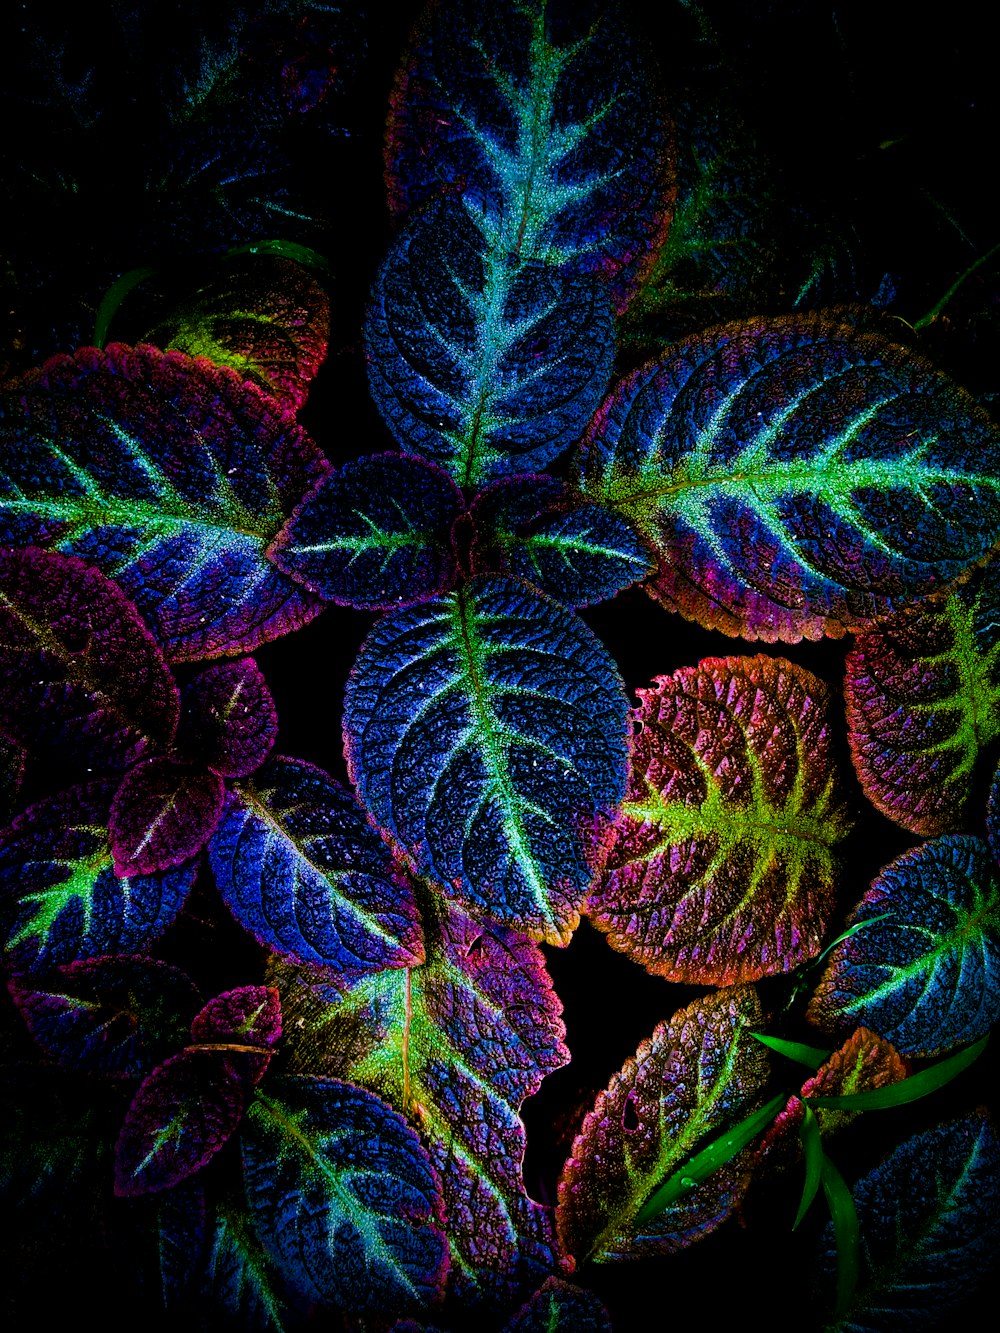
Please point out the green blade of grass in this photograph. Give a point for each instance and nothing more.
(810, 1056)
(845, 1231)
(113, 298)
(846, 935)
(907, 1089)
(812, 1147)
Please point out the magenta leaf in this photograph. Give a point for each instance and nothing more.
(344, 1197)
(182, 1114)
(162, 815)
(60, 898)
(796, 476)
(375, 534)
(229, 722)
(696, 1075)
(250, 1014)
(301, 867)
(171, 475)
(723, 868)
(79, 670)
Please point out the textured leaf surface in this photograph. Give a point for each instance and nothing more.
(240, 1279)
(344, 1197)
(267, 318)
(928, 977)
(797, 476)
(375, 534)
(162, 815)
(250, 1014)
(79, 670)
(118, 1016)
(723, 867)
(481, 362)
(559, 1307)
(301, 867)
(543, 123)
(172, 476)
(930, 1228)
(180, 1117)
(455, 1044)
(229, 722)
(923, 700)
(60, 899)
(481, 729)
(695, 1075)
(530, 527)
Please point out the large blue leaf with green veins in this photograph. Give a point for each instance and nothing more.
(483, 729)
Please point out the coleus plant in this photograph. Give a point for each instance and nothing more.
(334, 1136)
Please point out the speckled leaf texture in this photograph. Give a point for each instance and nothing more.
(797, 476)
(482, 729)
(300, 866)
(162, 815)
(229, 721)
(923, 701)
(930, 1229)
(540, 117)
(483, 362)
(723, 867)
(375, 534)
(559, 1307)
(697, 1074)
(239, 1279)
(455, 1044)
(80, 673)
(265, 317)
(250, 1014)
(172, 476)
(533, 528)
(928, 977)
(344, 1197)
(60, 899)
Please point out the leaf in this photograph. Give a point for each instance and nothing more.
(531, 527)
(928, 977)
(265, 317)
(60, 899)
(249, 1014)
(229, 722)
(482, 730)
(810, 1056)
(455, 1044)
(119, 1016)
(929, 1227)
(546, 127)
(923, 701)
(375, 534)
(696, 1074)
(79, 670)
(181, 1115)
(559, 1307)
(172, 476)
(181, 1226)
(723, 869)
(796, 476)
(909, 1089)
(344, 1197)
(300, 866)
(240, 1278)
(162, 815)
(481, 362)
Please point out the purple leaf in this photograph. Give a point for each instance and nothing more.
(250, 1014)
(559, 1307)
(79, 670)
(229, 721)
(162, 815)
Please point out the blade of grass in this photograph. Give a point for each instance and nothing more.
(845, 1231)
(812, 1147)
(810, 1056)
(113, 298)
(908, 1089)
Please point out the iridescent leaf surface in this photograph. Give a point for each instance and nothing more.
(923, 700)
(559, 1307)
(250, 1014)
(483, 363)
(79, 670)
(579, 554)
(723, 867)
(930, 1229)
(928, 977)
(697, 1074)
(301, 867)
(456, 1045)
(172, 476)
(60, 899)
(797, 476)
(162, 815)
(229, 721)
(481, 729)
(375, 534)
(118, 1016)
(344, 1197)
(181, 1115)
(265, 317)
(544, 124)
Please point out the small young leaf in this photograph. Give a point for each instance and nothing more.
(559, 1307)
(927, 978)
(162, 815)
(229, 722)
